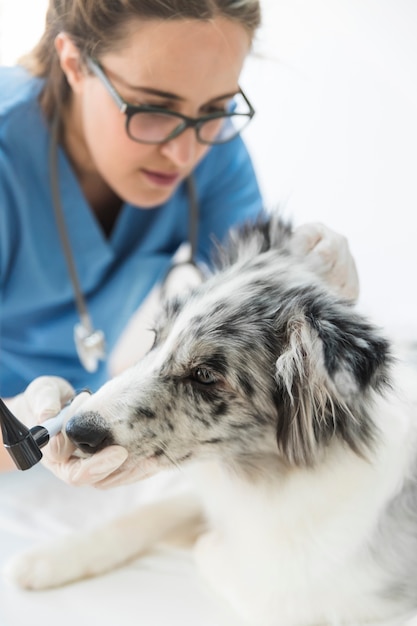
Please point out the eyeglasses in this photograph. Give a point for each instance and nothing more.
(155, 125)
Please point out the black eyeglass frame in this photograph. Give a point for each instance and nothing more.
(129, 110)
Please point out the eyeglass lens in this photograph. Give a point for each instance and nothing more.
(155, 127)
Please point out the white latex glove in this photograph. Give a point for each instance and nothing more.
(44, 398)
(327, 254)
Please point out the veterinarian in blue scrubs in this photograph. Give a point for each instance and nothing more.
(140, 95)
(124, 118)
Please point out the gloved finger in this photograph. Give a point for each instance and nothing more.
(89, 471)
(331, 259)
(116, 479)
(46, 395)
(306, 237)
(329, 253)
(60, 448)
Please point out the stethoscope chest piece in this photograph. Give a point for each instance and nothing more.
(90, 345)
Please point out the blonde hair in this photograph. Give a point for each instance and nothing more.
(97, 26)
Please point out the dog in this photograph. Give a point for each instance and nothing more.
(299, 428)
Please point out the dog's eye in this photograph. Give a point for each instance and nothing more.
(155, 338)
(204, 376)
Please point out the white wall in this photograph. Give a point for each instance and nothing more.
(21, 22)
(335, 135)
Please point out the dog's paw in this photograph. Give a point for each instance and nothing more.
(60, 562)
(36, 570)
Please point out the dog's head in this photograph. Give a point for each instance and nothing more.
(260, 361)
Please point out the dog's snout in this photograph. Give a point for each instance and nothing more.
(89, 432)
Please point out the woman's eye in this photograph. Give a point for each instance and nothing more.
(159, 107)
(204, 376)
(218, 109)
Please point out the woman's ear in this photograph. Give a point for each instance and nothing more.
(70, 61)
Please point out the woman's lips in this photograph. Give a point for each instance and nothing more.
(161, 179)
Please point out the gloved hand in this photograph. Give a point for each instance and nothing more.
(44, 398)
(327, 254)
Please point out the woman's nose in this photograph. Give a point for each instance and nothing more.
(182, 150)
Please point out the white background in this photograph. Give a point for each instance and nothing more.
(334, 139)
(334, 83)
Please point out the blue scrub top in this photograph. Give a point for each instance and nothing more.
(38, 311)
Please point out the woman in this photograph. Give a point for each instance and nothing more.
(118, 105)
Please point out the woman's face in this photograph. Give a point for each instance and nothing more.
(184, 66)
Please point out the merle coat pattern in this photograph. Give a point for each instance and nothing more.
(288, 408)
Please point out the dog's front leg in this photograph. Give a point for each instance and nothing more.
(87, 554)
(222, 573)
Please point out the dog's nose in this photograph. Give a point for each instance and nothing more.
(89, 432)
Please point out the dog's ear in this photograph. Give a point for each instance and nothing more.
(331, 362)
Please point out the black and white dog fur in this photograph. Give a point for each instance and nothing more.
(300, 430)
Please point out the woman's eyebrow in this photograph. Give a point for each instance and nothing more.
(176, 97)
(167, 94)
(157, 92)
(226, 96)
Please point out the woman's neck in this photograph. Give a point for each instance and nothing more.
(103, 201)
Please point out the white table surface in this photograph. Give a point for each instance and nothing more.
(162, 588)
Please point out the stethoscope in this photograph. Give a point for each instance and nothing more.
(24, 444)
(90, 343)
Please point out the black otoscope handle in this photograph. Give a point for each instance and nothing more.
(23, 444)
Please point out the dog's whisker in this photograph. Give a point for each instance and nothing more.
(164, 448)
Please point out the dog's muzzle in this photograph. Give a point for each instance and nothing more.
(89, 432)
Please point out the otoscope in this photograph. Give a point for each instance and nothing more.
(24, 444)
